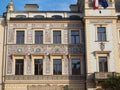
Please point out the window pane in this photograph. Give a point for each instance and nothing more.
(101, 34)
(38, 37)
(75, 37)
(75, 66)
(100, 67)
(103, 64)
(77, 40)
(19, 67)
(36, 69)
(20, 37)
(56, 37)
(38, 66)
(57, 67)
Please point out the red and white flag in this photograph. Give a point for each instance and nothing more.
(96, 4)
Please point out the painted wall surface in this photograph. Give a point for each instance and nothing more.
(47, 49)
(1, 50)
(95, 46)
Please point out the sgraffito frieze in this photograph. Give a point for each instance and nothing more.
(46, 49)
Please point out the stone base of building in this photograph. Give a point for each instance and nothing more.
(43, 87)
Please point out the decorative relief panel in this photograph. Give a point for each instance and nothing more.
(44, 25)
(29, 36)
(47, 36)
(28, 68)
(9, 65)
(75, 25)
(47, 58)
(65, 36)
(57, 25)
(10, 35)
(38, 25)
(66, 65)
(20, 25)
(101, 21)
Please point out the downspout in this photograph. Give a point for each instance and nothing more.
(84, 53)
(84, 40)
(4, 56)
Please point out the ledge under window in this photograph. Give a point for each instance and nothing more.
(101, 41)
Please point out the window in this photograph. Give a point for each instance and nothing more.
(75, 37)
(38, 37)
(74, 17)
(57, 66)
(38, 67)
(101, 33)
(20, 16)
(103, 64)
(39, 16)
(20, 37)
(57, 16)
(56, 37)
(76, 67)
(19, 67)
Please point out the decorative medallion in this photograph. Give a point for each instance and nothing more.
(19, 50)
(38, 50)
(57, 49)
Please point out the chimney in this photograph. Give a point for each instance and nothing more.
(31, 7)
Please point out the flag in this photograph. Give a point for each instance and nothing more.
(95, 3)
(104, 3)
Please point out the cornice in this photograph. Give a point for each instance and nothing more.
(44, 21)
(100, 17)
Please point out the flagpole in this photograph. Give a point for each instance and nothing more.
(99, 9)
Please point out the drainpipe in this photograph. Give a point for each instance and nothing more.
(4, 55)
(83, 24)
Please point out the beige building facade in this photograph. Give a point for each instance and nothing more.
(59, 50)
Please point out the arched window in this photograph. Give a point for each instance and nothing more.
(57, 16)
(74, 17)
(39, 16)
(20, 16)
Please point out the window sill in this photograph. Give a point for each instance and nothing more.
(101, 41)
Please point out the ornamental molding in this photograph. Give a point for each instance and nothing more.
(45, 25)
(46, 48)
(101, 21)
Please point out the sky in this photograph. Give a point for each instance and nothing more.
(44, 5)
